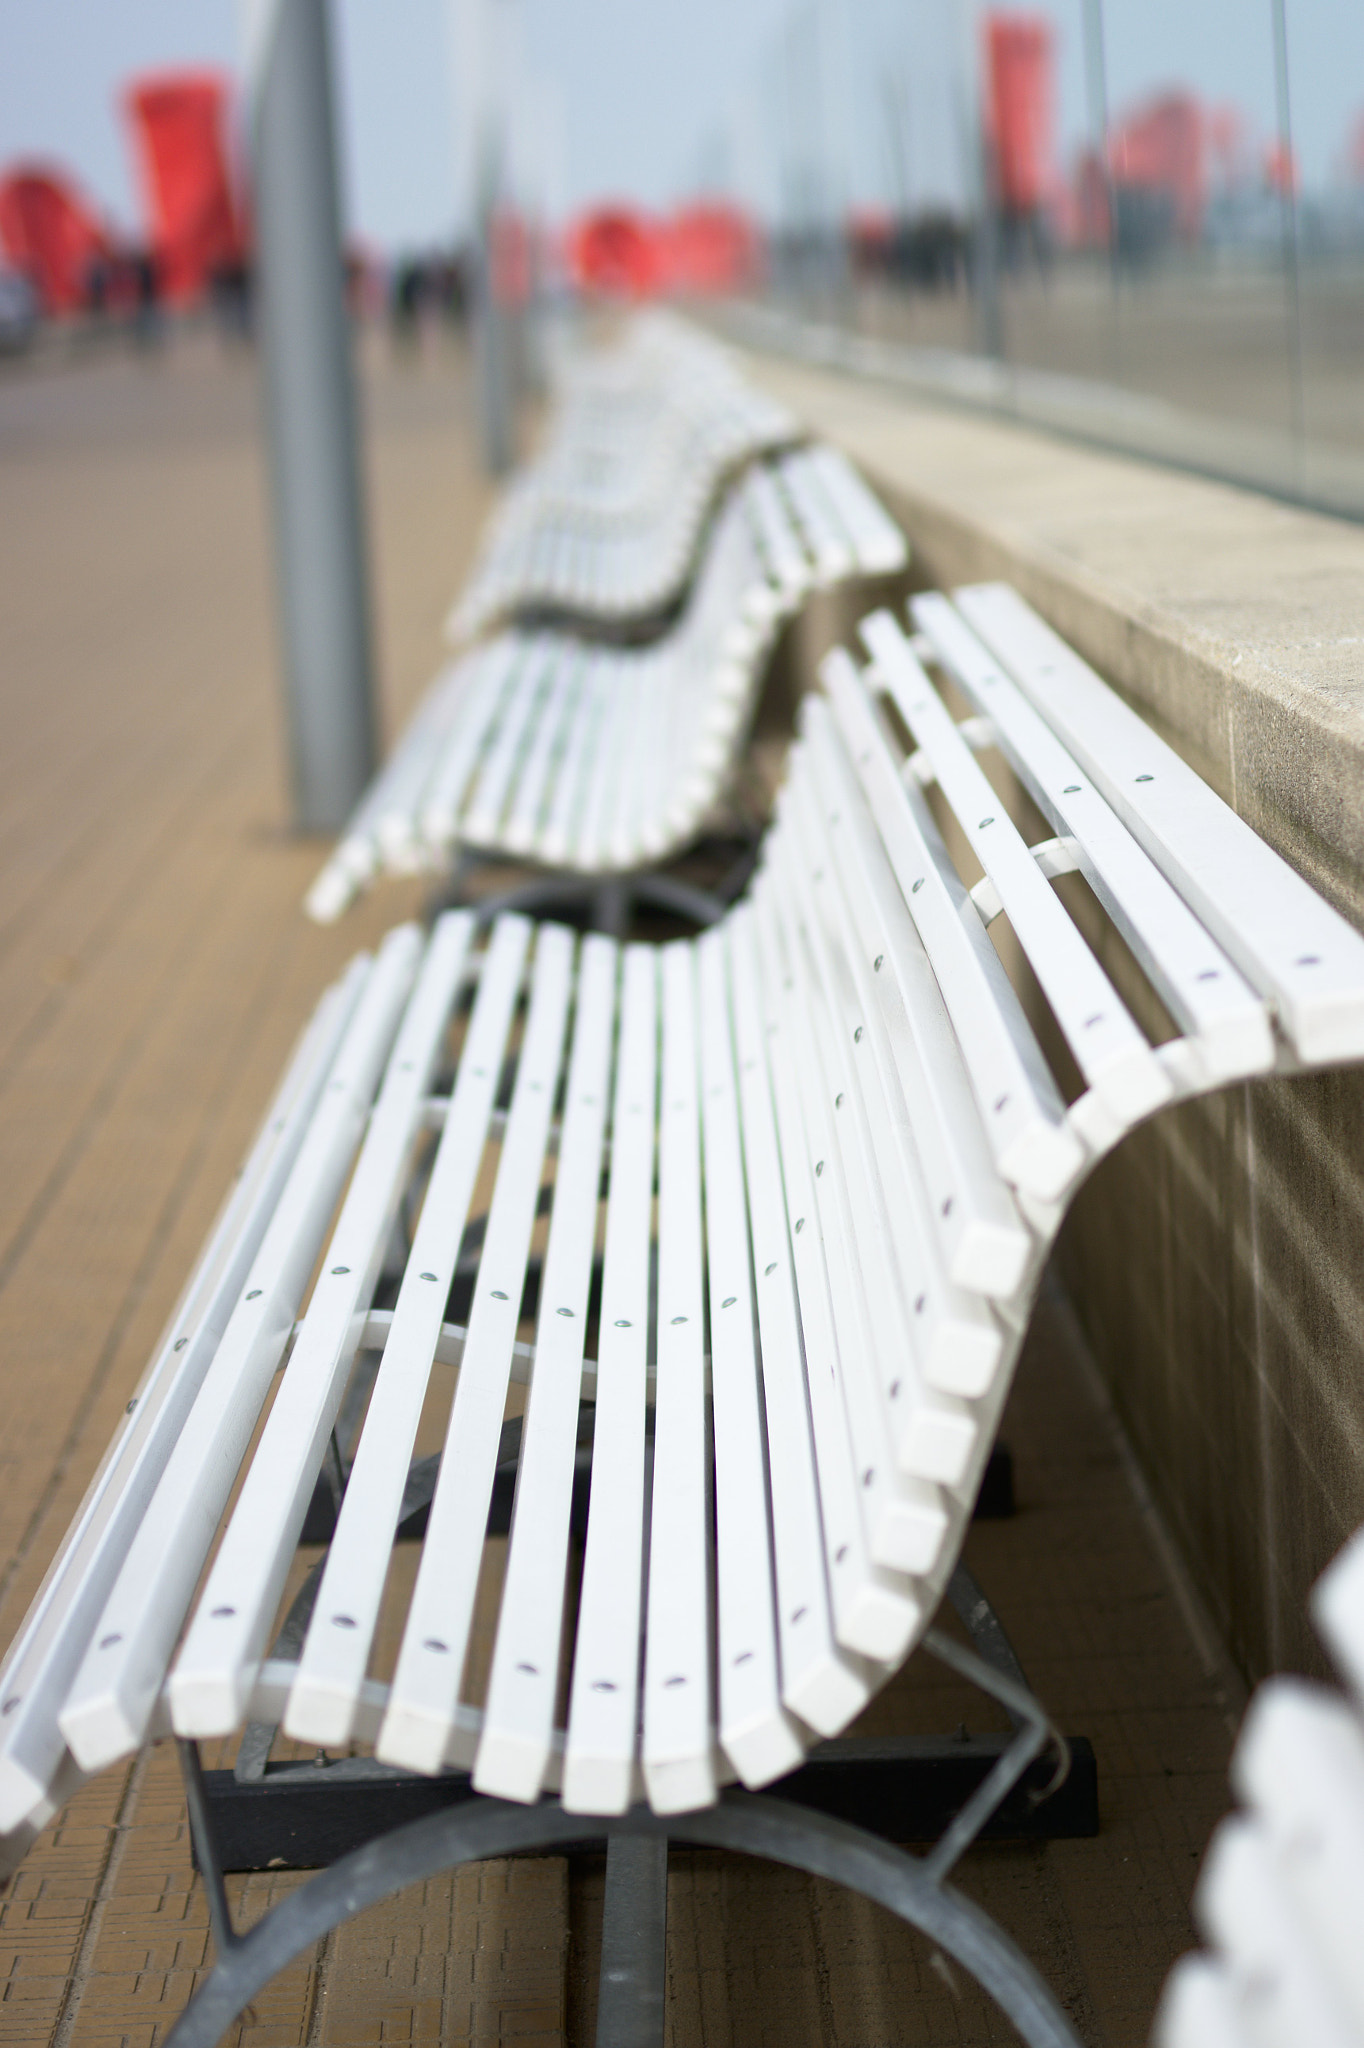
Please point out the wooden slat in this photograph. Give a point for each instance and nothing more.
(44, 1656)
(335, 1655)
(932, 1434)
(1109, 1047)
(600, 1774)
(515, 1748)
(213, 1674)
(876, 1612)
(1022, 1111)
(110, 1704)
(756, 1734)
(822, 1684)
(985, 1244)
(678, 1750)
(426, 1683)
(1196, 981)
(1285, 938)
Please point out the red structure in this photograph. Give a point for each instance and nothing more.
(1018, 110)
(50, 235)
(618, 252)
(1160, 150)
(713, 249)
(178, 121)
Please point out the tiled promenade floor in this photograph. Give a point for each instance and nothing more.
(154, 969)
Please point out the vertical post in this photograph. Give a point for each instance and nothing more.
(1288, 216)
(310, 414)
(631, 1989)
(494, 338)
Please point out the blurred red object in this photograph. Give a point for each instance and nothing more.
(178, 121)
(1018, 79)
(713, 248)
(50, 235)
(1160, 148)
(617, 252)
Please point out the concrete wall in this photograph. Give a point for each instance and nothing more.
(1217, 1260)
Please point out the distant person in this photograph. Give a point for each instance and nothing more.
(147, 322)
(406, 301)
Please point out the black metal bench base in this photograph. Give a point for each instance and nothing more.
(307, 1816)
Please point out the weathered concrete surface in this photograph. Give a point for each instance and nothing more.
(1218, 1260)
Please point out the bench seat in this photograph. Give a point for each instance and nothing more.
(604, 527)
(766, 1213)
(600, 759)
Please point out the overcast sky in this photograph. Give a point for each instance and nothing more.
(650, 98)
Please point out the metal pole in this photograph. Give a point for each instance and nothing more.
(310, 415)
(1288, 213)
(632, 1987)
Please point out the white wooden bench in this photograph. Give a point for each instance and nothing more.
(1281, 1894)
(801, 1176)
(600, 759)
(604, 527)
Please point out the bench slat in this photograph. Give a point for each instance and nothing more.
(51, 1644)
(985, 1243)
(877, 540)
(1199, 2009)
(518, 1730)
(755, 1731)
(1196, 981)
(227, 1637)
(426, 1681)
(1109, 1047)
(600, 1773)
(1286, 939)
(876, 1610)
(929, 1435)
(822, 1684)
(1243, 1906)
(522, 708)
(678, 1748)
(335, 1654)
(528, 798)
(495, 667)
(958, 1342)
(110, 1705)
(1022, 1112)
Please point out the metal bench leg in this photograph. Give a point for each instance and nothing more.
(743, 1822)
(634, 1932)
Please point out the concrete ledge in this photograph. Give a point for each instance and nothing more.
(1214, 1260)
(1234, 622)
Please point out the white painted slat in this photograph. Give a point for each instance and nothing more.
(678, 1751)
(1243, 1908)
(1023, 1114)
(876, 1612)
(336, 1651)
(958, 1341)
(932, 1434)
(490, 672)
(756, 1734)
(528, 799)
(213, 1674)
(1198, 2009)
(819, 1682)
(426, 1682)
(522, 709)
(1110, 1049)
(1299, 1763)
(518, 1726)
(779, 538)
(45, 1653)
(592, 849)
(985, 1244)
(831, 552)
(111, 1701)
(881, 546)
(1285, 938)
(1195, 979)
(574, 766)
(599, 1756)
